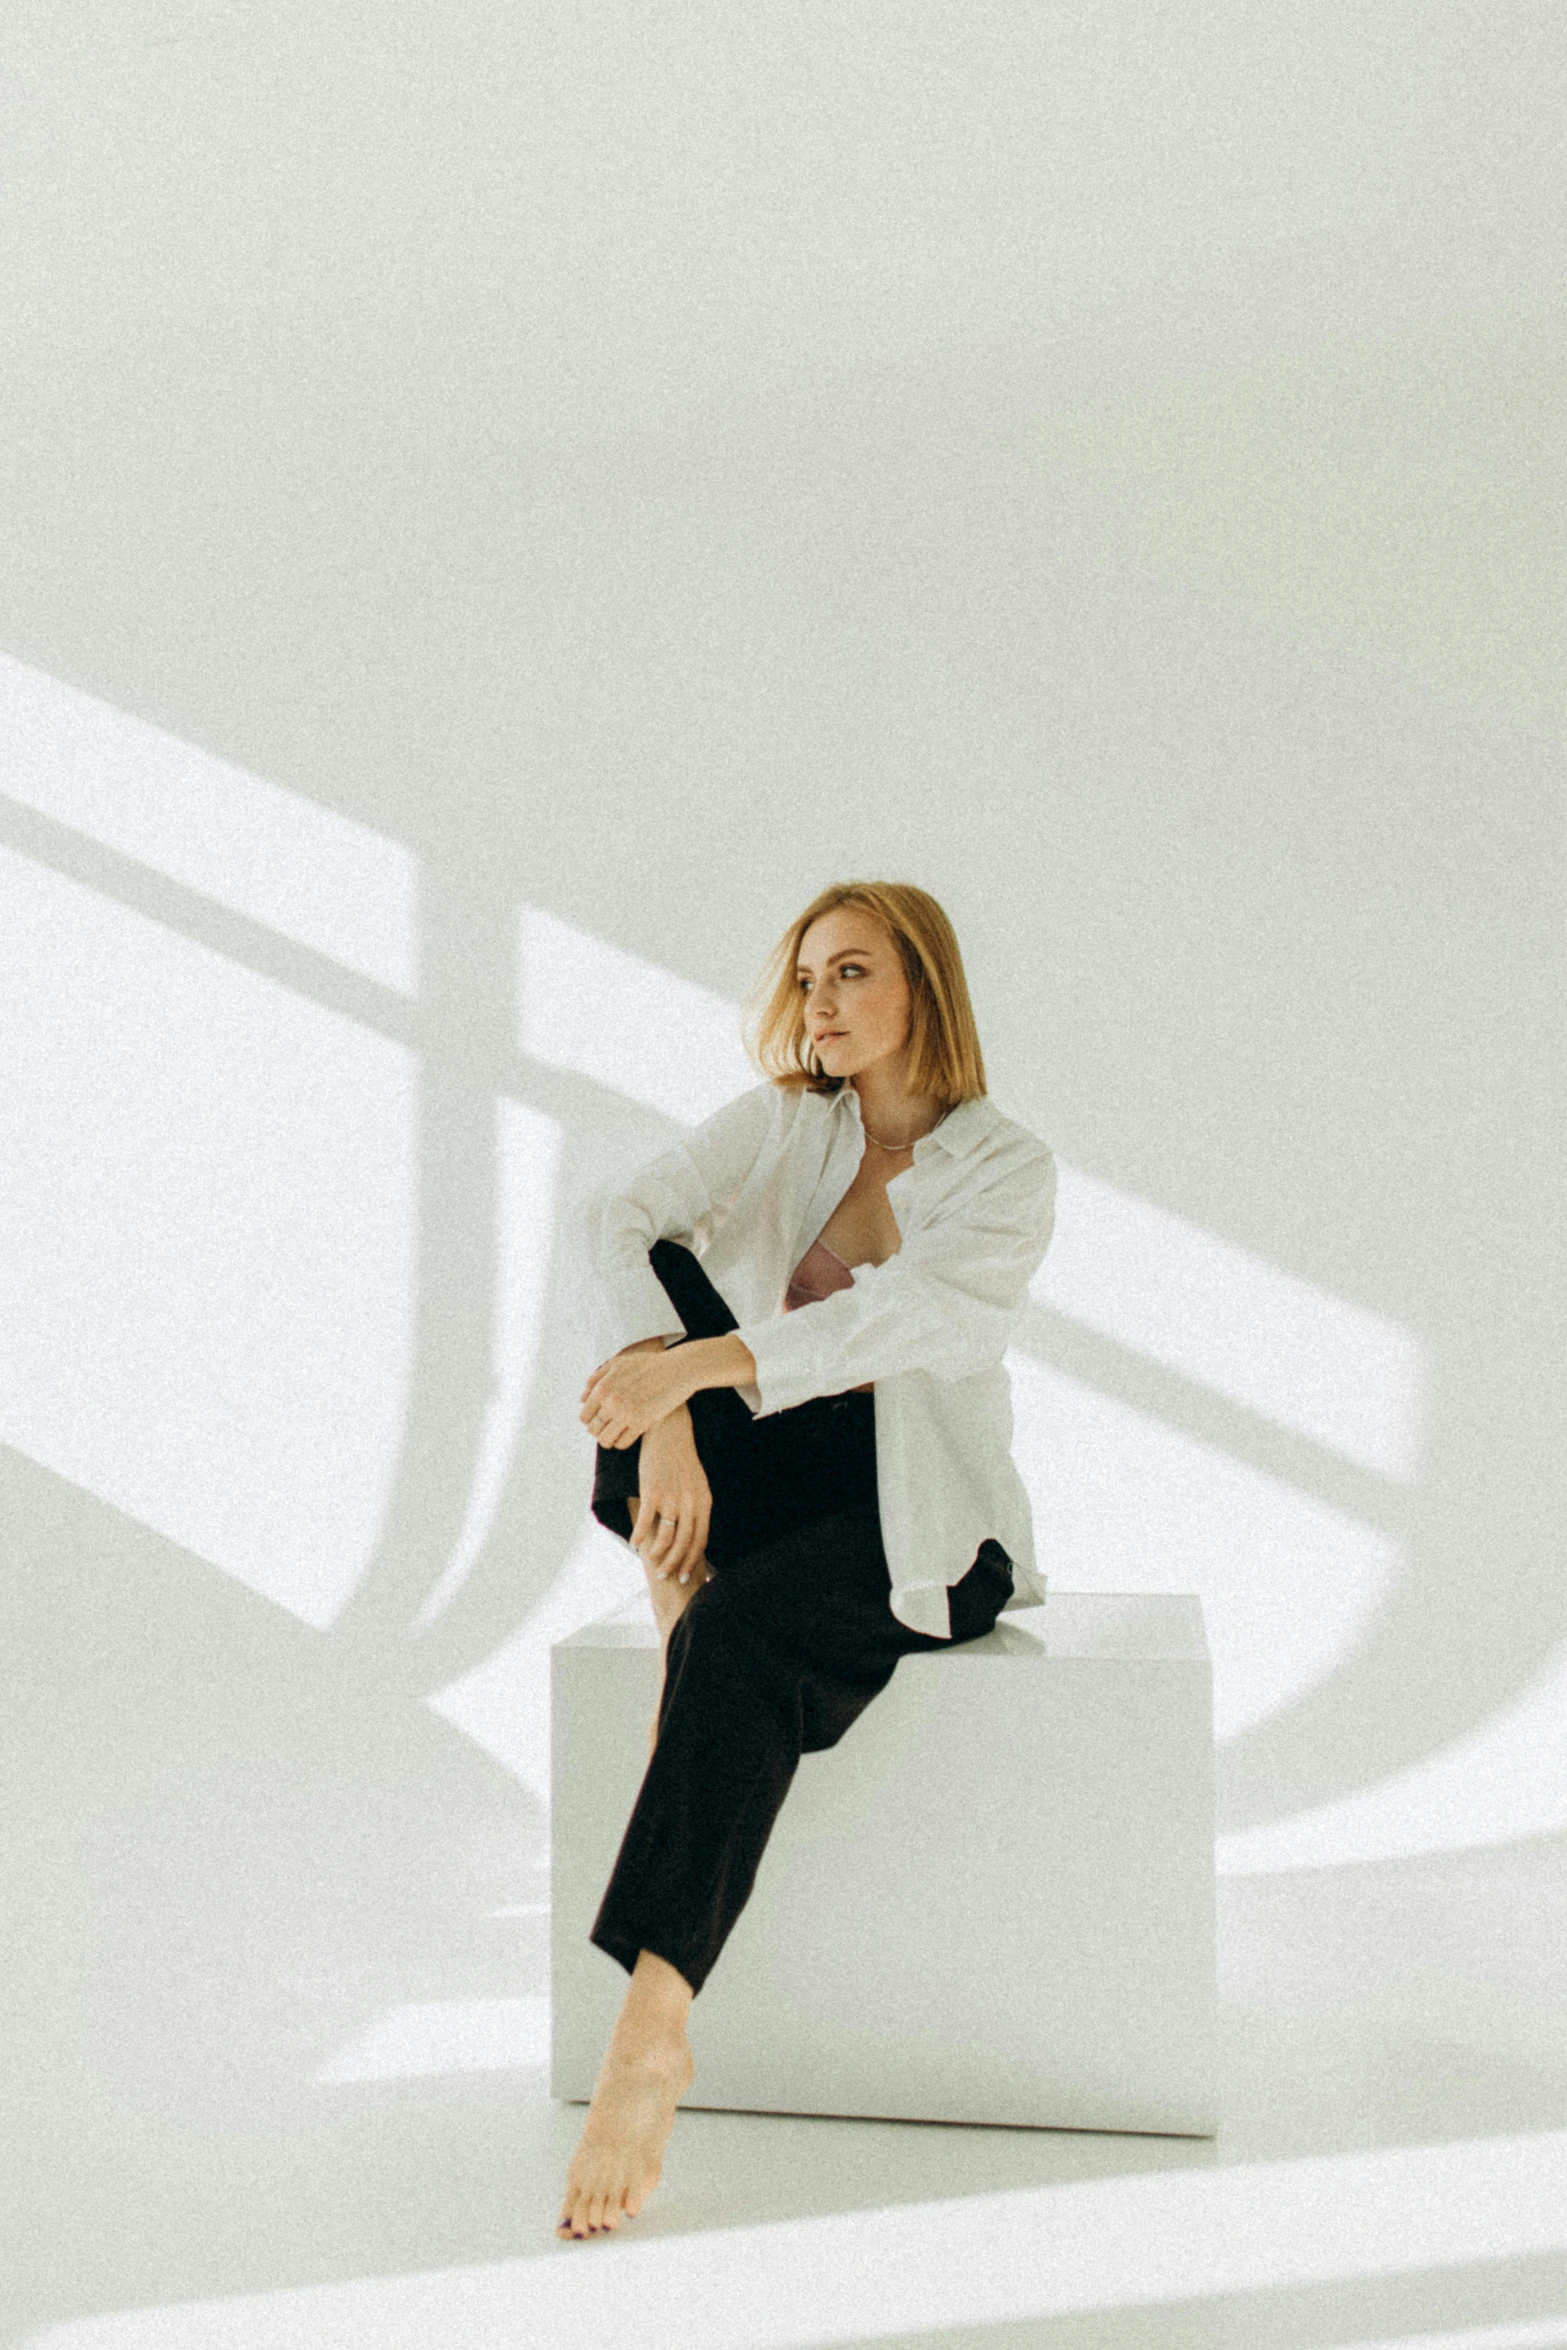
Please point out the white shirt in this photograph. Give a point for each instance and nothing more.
(748, 1191)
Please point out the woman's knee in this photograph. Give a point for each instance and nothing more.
(689, 1290)
(616, 1516)
(714, 1633)
(701, 1617)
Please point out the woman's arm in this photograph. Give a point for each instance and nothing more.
(639, 1387)
(684, 1194)
(946, 1303)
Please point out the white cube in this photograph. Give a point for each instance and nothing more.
(992, 1901)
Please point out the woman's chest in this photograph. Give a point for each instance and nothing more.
(862, 1228)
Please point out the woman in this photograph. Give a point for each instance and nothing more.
(813, 1493)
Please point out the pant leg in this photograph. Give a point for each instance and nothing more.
(775, 1658)
(741, 1703)
(822, 1597)
(974, 1603)
(728, 1744)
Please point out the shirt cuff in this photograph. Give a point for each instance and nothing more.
(788, 1369)
(923, 1608)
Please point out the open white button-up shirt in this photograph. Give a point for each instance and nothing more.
(748, 1191)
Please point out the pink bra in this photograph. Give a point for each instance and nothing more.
(820, 1271)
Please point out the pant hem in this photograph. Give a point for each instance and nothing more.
(625, 1951)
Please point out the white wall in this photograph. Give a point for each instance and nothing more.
(503, 505)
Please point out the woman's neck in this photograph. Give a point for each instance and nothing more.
(892, 1114)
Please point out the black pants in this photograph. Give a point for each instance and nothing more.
(773, 1658)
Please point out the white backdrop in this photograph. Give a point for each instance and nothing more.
(501, 506)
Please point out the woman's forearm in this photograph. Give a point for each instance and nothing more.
(715, 1362)
(648, 1385)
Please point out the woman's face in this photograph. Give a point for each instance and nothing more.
(856, 998)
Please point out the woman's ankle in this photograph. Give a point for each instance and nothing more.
(658, 1998)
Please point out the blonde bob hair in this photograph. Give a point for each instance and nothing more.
(944, 1056)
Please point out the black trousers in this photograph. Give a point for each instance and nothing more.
(773, 1658)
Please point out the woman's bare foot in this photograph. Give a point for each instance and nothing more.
(646, 2071)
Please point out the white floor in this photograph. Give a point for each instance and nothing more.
(283, 1988)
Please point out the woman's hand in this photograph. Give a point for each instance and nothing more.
(626, 1395)
(675, 1501)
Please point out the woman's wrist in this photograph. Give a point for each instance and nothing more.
(676, 1425)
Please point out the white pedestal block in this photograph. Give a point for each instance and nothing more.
(992, 1901)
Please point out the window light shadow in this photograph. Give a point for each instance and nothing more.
(222, 1244)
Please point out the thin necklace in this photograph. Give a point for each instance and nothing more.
(893, 1146)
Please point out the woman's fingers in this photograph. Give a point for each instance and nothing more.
(682, 1557)
(616, 1427)
(668, 1562)
(618, 1432)
(612, 1428)
(670, 1533)
(683, 1553)
(655, 1529)
(693, 1541)
(648, 1529)
(666, 1543)
(695, 1544)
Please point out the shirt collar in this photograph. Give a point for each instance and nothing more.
(963, 1128)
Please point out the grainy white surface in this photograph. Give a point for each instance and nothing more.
(500, 504)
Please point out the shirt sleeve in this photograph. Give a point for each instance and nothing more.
(947, 1303)
(683, 1194)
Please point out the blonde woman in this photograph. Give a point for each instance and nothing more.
(804, 1424)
